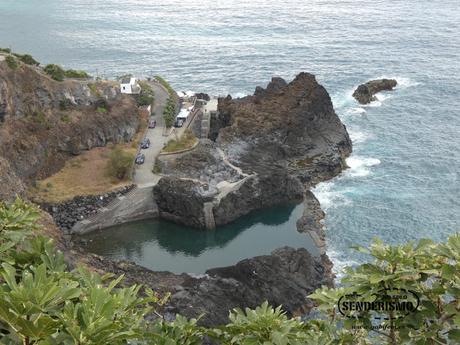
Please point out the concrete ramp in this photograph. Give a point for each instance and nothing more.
(138, 204)
(209, 215)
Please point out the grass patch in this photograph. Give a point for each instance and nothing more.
(187, 141)
(12, 62)
(101, 110)
(85, 174)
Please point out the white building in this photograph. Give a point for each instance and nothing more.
(130, 86)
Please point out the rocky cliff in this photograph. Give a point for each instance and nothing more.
(43, 122)
(285, 277)
(265, 149)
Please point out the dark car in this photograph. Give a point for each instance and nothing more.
(152, 124)
(140, 158)
(145, 144)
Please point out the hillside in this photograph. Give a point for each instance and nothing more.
(44, 122)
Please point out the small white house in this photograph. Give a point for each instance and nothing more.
(130, 86)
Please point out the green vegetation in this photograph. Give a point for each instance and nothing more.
(27, 59)
(169, 113)
(72, 73)
(58, 73)
(40, 118)
(166, 85)
(101, 110)
(94, 90)
(120, 163)
(187, 141)
(65, 118)
(43, 302)
(5, 50)
(12, 62)
(65, 104)
(55, 71)
(147, 96)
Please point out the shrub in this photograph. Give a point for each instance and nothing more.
(71, 73)
(120, 163)
(12, 62)
(165, 85)
(65, 104)
(27, 59)
(169, 113)
(55, 71)
(94, 90)
(144, 100)
(147, 96)
(65, 118)
(5, 50)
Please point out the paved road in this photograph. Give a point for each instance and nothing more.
(143, 175)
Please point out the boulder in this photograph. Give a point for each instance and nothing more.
(365, 93)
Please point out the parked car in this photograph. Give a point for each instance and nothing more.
(145, 144)
(140, 158)
(152, 124)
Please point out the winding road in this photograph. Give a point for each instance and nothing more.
(143, 174)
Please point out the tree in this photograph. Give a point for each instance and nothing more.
(120, 163)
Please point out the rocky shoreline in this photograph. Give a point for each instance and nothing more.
(263, 150)
(68, 213)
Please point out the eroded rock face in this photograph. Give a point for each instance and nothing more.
(267, 148)
(285, 277)
(365, 93)
(44, 122)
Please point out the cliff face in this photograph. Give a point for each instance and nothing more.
(285, 277)
(43, 122)
(266, 148)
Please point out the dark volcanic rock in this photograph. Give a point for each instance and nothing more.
(267, 147)
(67, 213)
(182, 201)
(365, 93)
(284, 125)
(283, 278)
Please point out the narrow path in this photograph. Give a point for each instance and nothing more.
(143, 174)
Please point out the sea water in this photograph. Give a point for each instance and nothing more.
(403, 181)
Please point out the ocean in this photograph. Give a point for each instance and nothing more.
(403, 181)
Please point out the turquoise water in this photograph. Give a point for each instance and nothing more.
(404, 180)
(165, 246)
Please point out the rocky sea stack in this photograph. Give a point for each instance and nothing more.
(365, 93)
(263, 150)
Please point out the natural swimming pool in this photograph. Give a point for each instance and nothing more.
(165, 246)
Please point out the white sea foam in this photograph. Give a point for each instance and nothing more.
(339, 264)
(357, 137)
(328, 197)
(404, 83)
(359, 166)
(356, 111)
(382, 96)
